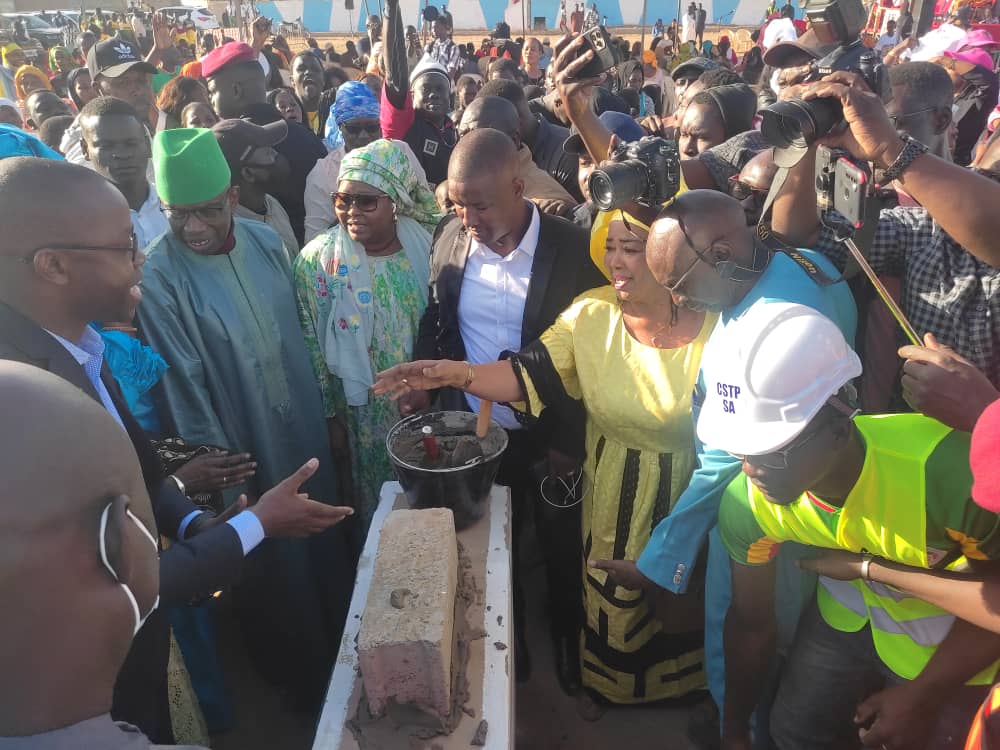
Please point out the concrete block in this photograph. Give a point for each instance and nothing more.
(407, 630)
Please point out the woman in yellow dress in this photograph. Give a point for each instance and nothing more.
(632, 356)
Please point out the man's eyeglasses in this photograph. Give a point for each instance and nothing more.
(896, 120)
(208, 214)
(364, 201)
(727, 269)
(132, 249)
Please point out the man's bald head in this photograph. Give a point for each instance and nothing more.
(491, 112)
(67, 624)
(698, 231)
(482, 152)
(76, 266)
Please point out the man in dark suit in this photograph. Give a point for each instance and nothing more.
(74, 259)
(501, 273)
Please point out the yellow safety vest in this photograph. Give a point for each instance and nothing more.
(889, 494)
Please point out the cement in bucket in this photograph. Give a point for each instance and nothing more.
(465, 489)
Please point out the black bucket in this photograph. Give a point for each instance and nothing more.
(466, 488)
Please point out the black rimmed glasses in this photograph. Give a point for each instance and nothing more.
(132, 248)
(180, 216)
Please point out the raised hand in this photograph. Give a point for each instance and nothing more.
(284, 511)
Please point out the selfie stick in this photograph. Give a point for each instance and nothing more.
(897, 313)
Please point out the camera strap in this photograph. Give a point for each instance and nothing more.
(775, 244)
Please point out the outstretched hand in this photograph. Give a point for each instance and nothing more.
(422, 375)
(624, 573)
(284, 511)
(834, 563)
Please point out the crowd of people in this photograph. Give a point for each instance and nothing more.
(242, 264)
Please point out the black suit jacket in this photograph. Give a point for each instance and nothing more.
(188, 568)
(560, 271)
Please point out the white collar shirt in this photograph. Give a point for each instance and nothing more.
(491, 305)
(149, 221)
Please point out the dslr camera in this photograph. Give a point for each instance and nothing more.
(647, 171)
(793, 125)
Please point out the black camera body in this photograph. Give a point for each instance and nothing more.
(647, 171)
(843, 186)
(607, 55)
(791, 126)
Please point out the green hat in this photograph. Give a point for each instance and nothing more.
(190, 167)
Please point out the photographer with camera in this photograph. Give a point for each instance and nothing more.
(945, 249)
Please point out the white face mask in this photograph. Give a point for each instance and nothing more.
(139, 618)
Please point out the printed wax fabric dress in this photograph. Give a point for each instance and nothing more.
(640, 454)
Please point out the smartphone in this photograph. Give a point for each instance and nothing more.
(606, 52)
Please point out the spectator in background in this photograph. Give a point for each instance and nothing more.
(60, 64)
(41, 105)
(714, 116)
(314, 49)
(288, 104)
(257, 169)
(307, 79)
(198, 115)
(355, 123)
(544, 139)
(531, 70)
(177, 94)
(725, 51)
(787, 10)
(80, 87)
(443, 50)
(52, 130)
(468, 86)
(415, 105)
(504, 67)
(10, 114)
(539, 186)
(29, 79)
(889, 39)
(976, 87)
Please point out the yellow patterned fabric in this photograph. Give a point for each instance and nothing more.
(640, 455)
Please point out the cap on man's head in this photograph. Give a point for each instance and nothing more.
(785, 54)
(693, 68)
(984, 459)
(780, 365)
(115, 57)
(623, 126)
(190, 166)
(227, 54)
(430, 67)
(238, 139)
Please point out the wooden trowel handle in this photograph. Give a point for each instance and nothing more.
(483, 420)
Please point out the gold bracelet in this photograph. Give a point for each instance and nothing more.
(468, 378)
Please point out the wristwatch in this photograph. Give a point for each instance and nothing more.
(178, 482)
(911, 150)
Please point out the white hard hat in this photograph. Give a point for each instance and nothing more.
(768, 376)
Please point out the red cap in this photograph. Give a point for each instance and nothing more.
(984, 459)
(227, 54)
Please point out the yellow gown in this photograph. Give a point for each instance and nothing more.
(640, 455)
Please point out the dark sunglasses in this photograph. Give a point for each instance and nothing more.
(357, 129)
(365, 202)
(132, 249)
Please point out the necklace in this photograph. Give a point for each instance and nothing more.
(664, 327)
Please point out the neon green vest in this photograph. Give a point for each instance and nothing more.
(906, 631)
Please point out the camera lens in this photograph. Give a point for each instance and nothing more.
(796, 124)
(617, 184)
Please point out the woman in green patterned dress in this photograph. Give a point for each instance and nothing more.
(362, 287)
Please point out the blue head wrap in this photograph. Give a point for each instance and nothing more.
(15, 142)
(354, 100)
